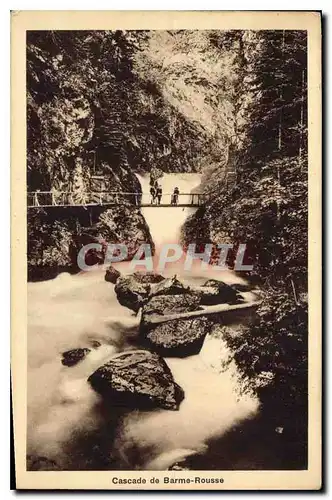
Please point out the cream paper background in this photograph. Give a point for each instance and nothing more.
(21, 21)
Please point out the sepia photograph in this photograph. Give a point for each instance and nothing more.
(166, 221)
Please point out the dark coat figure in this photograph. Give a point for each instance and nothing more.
(159, 194)
(175, 196)
(153, 194)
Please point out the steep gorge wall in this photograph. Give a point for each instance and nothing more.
(266, 208)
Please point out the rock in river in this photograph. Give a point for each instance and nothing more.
(35, 462)
(241, 287)
(217, 292)
(171, 304)
(112, 275)
(170, 286)
(137, 379)
(72, 357)
(180, 337)
(148, 277)
(130, 293)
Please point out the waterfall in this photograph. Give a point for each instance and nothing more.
(165, 222)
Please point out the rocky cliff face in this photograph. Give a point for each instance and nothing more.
(67, 144)
(53, 245)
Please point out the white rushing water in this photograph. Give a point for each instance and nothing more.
(76, 311)
(165, 222)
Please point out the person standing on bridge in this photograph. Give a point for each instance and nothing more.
(159, 193)
(53, 194)
(36, 201)
(175, 196)
(153, 194)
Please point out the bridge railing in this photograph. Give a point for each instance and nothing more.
(182, 199)
(67, 198)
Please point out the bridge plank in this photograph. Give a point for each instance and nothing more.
(219, 309)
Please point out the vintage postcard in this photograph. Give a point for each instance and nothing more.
(166, 250)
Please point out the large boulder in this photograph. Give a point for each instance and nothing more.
(170, 286)
(180, 337)
(137, 379)
(130, 293)
(171, 304)
(72, 357)
(217, 292)
(112, 275)
(148, 277)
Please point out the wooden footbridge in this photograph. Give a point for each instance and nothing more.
(225, 313)
(48, 199)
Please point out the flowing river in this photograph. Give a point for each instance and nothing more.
(67, 423)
